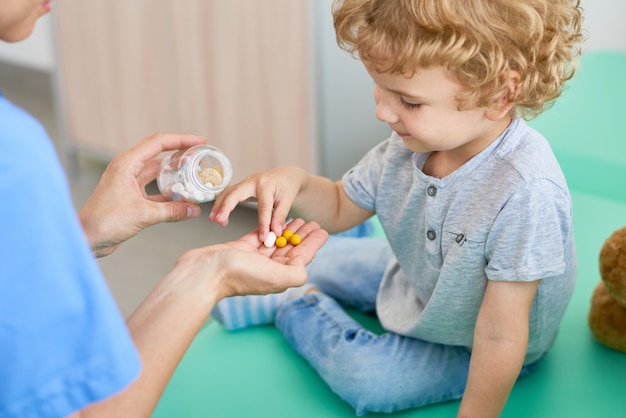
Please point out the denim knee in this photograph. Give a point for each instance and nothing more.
(372, 373)
(357, 377)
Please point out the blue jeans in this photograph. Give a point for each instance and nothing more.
(373, 373)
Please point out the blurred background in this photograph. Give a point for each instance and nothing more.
(263, 80)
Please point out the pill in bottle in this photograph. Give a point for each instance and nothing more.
(197, 174)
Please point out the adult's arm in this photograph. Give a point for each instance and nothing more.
(165, 323)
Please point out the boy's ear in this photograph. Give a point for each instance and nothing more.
(503, 104)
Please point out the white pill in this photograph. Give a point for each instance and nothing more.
(198, 196)
(177, 188)
(270, 240)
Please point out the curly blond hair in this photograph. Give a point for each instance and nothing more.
(478, 41)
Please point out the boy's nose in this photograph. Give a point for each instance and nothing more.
(384, 112)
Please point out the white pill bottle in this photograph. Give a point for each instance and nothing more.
(197, 174)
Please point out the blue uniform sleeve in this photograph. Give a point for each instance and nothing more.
(63, 342)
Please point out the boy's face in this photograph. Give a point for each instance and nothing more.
(423, 111)
(18, 18)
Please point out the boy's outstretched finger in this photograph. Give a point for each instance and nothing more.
(226, 202)
(279, 217)
(266, 214)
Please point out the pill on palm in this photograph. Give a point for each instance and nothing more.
(281, 242)
(287, 233)
(270, 240)
(295, 239)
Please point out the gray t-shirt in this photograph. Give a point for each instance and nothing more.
(505, 215)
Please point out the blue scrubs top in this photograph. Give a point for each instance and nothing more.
(63, 342)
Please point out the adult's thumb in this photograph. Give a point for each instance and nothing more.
(179, 211)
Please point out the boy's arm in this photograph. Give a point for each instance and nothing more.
(325, 202)
(286, 190)
(500, 342)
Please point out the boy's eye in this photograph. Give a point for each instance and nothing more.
(409, 105)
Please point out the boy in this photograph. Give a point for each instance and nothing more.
(480, 263)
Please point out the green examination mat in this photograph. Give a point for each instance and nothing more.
(254, 373)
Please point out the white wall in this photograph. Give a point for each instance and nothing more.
(346, 125)
(345, 111)
(35, 52)
(604, 22)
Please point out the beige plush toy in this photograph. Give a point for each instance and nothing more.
(607, 317)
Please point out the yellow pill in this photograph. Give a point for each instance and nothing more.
(281, 242)
(287, 233)
(295, 239)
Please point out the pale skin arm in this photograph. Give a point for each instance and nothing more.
(500, 341)
(119, 207)
(166, 322)
(291, 190)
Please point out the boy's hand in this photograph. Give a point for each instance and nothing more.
(274, 190)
